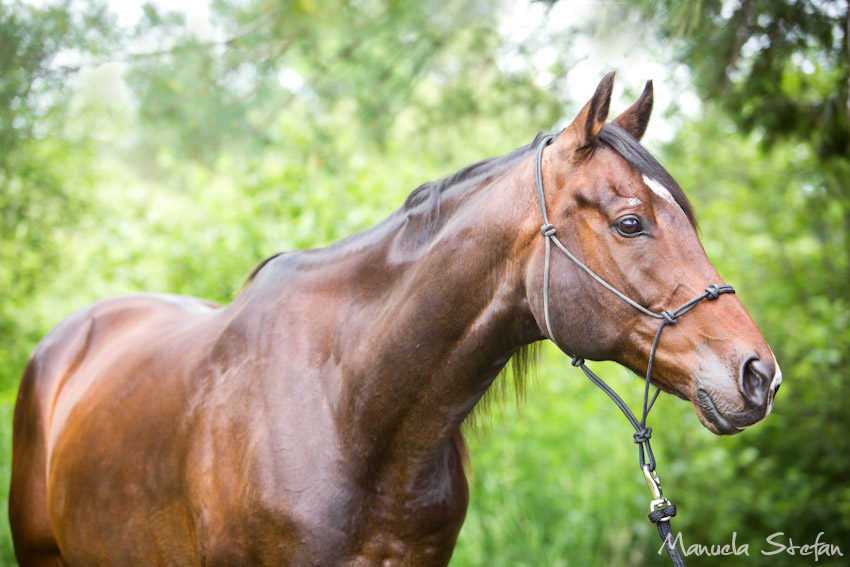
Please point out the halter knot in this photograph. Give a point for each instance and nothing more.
(660, 514)
(547, 230)
(713, 292)
(578, 361)
(643, 435)
(669, 318)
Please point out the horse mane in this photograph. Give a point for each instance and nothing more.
(514, 378)
(250, 277)
(424, 201)
(429, 194)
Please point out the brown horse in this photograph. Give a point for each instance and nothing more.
(316, 419)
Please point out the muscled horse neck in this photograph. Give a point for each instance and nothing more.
(443, 329)
(432, 305)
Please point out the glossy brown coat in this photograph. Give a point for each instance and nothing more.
(315, 419)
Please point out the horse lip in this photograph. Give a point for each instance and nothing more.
(713, 415)
(774, 384)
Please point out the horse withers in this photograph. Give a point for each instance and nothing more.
(315, 420)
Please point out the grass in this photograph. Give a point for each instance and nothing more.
(7, 407)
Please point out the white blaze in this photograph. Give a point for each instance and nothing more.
(659, 189)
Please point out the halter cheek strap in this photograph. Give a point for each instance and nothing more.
(661, 510)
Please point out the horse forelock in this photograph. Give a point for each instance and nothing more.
(623, 144)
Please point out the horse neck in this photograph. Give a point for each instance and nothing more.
(422, 351)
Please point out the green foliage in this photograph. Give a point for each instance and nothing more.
(383, 65)
(306, 121)
(41, 184)
(779, 66)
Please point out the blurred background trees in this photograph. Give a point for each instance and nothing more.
(148, 148)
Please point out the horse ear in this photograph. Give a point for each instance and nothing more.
(635, 119)
(584, 129)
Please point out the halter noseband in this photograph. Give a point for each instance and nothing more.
(661, 510)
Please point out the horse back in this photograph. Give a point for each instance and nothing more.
(99, 336)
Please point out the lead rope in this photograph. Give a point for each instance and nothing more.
(661, 509)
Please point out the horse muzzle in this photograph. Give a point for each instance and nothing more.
(757, 385)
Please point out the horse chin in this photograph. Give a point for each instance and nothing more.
(711, 417)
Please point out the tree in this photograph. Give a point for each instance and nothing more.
(41, 170)
(778, 66)
(384, 62)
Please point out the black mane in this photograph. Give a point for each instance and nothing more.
(422, 206)
(425, 199)
(427, 191)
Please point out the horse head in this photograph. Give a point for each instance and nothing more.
(624, 217)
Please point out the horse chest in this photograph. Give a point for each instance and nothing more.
(415, 520)
(264, 499)
(277, 509)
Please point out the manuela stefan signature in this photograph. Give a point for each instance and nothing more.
(775, 543)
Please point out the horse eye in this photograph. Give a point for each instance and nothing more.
(630, 226)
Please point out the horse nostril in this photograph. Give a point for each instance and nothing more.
(755, 380)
